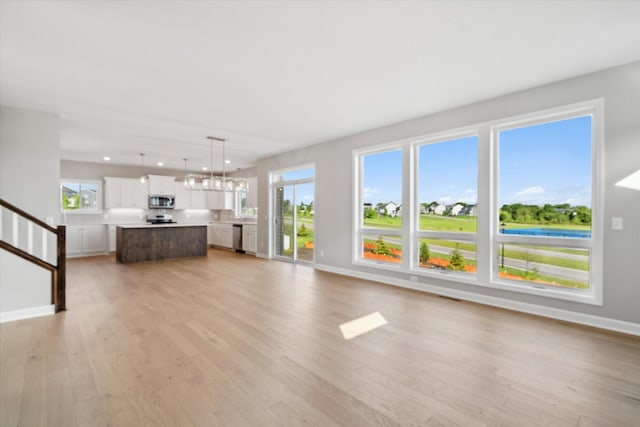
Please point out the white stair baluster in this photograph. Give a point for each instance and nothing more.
(30, 237)
(44, 244)
(15, 229)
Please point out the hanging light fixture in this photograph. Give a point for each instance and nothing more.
(211, 182)
(143, 177)
(189, 178)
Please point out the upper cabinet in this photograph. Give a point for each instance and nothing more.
(222, 200)
(252, 193)
(162, 185)
(125, 193)
(190, 199)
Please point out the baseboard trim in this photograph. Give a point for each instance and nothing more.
(539, 310)
(27, 313)
(260, 255)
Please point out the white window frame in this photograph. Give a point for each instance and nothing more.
(416, 232)
(276, 181)
(592, 296)
(358, 225)
(99, 196)
(487, 238)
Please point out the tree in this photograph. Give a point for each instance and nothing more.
(424, 253)
(369, 213)
(302, 231)
(381, 247)
(456, 262)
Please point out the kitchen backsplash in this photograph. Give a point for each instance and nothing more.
(135, 216)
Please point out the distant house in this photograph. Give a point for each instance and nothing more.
(472, 210)
(391, 209)
(457, 209)
(440, 209)
(69, 195)
(88, 198)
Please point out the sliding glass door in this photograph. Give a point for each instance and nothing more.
(293, 215)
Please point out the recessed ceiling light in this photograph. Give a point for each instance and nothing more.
(106, 158)
(160, 164)
(204, 168)
(227, 161)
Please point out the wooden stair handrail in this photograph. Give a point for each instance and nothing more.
(58, 272)
(27, 216)
(25, 255)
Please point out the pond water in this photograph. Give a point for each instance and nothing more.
(551, 232)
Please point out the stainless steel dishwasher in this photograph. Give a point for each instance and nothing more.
(237, 238)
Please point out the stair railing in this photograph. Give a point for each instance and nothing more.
(58, 270)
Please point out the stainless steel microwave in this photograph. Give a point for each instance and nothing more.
(162, 202)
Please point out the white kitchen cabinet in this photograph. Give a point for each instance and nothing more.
(211, 235)
(73, 240)
(162, 185)
(221, 235)
(111, 238)
(190, 199)
(125, 193)
(249, 238)
(222, 200)
(199, 199)
(181, 194)
(252, 193)
(86, 240)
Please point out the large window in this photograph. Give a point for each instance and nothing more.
(447, 204)
(380, 209)
(511, 204)
(544, 196)
(80, 196)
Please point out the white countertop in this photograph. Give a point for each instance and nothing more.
(234, 222)
(186, 224)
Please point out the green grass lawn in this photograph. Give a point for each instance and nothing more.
(549, 279)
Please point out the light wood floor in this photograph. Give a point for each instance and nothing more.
(231, 340)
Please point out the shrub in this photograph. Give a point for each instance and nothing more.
(381, 247)
(302, 231)
(456, 262)
(424, 253)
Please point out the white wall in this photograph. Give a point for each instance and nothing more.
(620, 87)
(29, 175)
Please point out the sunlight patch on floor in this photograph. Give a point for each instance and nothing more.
(362, 325)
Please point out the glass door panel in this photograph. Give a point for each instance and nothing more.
(284, 238)
(304, 221)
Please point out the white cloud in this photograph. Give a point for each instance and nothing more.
(369, 192)
(445, 200)
(529, 191)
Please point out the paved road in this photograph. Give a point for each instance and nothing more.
(545, 269)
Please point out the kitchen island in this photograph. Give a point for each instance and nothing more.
(155, 242)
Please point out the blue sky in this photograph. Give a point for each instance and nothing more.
(549, 163)
(304, 192)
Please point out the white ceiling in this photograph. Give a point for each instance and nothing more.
(157, 77)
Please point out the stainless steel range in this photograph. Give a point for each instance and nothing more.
(160, 219)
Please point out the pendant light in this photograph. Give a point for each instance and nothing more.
(214, 183)
(189, 179)
(143, 178)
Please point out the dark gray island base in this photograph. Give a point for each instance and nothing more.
(135, 243)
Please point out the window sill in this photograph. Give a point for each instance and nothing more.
(380, 265)
(80, 212)
(583, 297)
